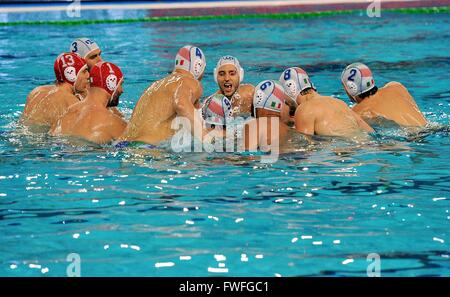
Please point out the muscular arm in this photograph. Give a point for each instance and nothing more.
(184, 100)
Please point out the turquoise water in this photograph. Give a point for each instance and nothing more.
(320, 210)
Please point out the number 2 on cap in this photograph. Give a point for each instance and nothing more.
(352, 74)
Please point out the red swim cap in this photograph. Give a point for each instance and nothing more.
(67, 66)
(106, 75)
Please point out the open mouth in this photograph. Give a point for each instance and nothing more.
(227, 87)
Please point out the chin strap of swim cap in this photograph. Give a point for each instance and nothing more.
(295, 80)
(192, 59)
(357, 79)
(268, 95)
(229, 60)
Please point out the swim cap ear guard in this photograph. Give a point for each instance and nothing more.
(67, 66)
(217, 110)
(83, 46)
(351, 88)
(268, 95)
(192, 59)
(357, 79)
(230, 60)
(107, 76)
(295, 80)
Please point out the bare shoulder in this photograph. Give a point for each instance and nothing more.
(395, 85)
(396, 90)
(40, 89)
(192, 84)
(52, 95)
(151, 88)
(189, 82)
(246, 90)
(340, 102)
(323, 102)
(174, 82)
(247, 86)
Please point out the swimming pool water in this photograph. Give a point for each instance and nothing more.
(311, 213)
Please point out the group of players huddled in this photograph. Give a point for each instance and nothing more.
(84, 99)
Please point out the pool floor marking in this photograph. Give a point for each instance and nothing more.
(210, 5)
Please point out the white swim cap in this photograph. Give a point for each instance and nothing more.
(83, 46)
(357, 79)
(269, 95)
(295, 80)
(229, 60)
(217, 110)
(192, 59)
